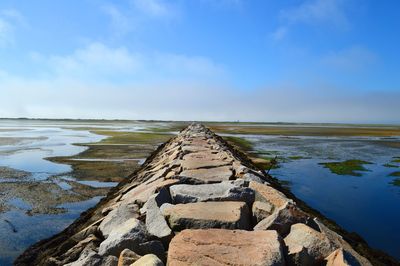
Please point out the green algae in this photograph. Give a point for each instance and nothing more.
(348, 167)
(396, 174)
(389, 165)
(396, 182)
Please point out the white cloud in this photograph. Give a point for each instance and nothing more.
(318, 11)
(314, 12)
(95, 61)
(351, 59)
(156, 8)
(139, 14)
(120, 23)
(9, 20)
(279, 33)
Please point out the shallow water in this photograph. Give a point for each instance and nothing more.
(25, 146)
(366, 204)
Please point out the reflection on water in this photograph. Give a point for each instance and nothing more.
(24, 145)
(367, 204)
(30, 229)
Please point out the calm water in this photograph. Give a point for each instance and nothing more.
(24, 145)
(367, 204)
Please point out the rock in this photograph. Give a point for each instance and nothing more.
(87, 258)
(128, 235)
(225, 247)
(282, 219)
(140, 194)
(155, 221)
(225, 191)
(298, 256)
(317, 244)
(110, 261)
(269, 194)
(261, 210)
(211, 175)
(153, 247)
(225, 214)
(127, 257)
(250, 176)
(205, 159)
(338, 242)
(148, 260)
(339, 257)
(117, 217)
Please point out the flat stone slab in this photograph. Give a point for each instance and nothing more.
(225, 214)
(211, 175)
(225, 191)
(225, 247)
(270, 194)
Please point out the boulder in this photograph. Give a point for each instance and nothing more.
(148, 260)
(127, 257)
(224, 191)
(267, 193)
(281, 220)
(298, 256)
(316, 243)
(211, 175)
(204, 159)
(109, 261)
(224, 214)
(340, 257)
(261, 210)
(130, 235)
(117, 217)
(155, 221)
(225, 247)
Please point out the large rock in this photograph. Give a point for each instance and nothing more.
(211, 175)
(141, 193)
(261, 210)
(270, 194)
(130, 235)
(226, 214)
(341, 257)
(204, 159)
(127, 257)
(155, 221)
(316, 243)
(117, 217)
(148, 260)
(282, 219)
(225, 247)
(225, 191)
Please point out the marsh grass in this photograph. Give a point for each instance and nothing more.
(348, 167)
(306, 130)
(264, 160)
(396, 182)
(120, 145)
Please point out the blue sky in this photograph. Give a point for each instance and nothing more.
(260, 60)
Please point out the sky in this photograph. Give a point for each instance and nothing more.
(236, 60)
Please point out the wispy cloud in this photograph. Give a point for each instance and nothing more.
(9, 20)
(355, 58)
(318, 11)
(138, 14)
(155, 8)
(331, 13)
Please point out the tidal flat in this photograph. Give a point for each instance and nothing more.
(346, 178)
(53, 170)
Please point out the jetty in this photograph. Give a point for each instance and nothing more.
(197, 200)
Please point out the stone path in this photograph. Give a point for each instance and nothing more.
(197, 202)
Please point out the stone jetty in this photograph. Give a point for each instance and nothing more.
(197, 201)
